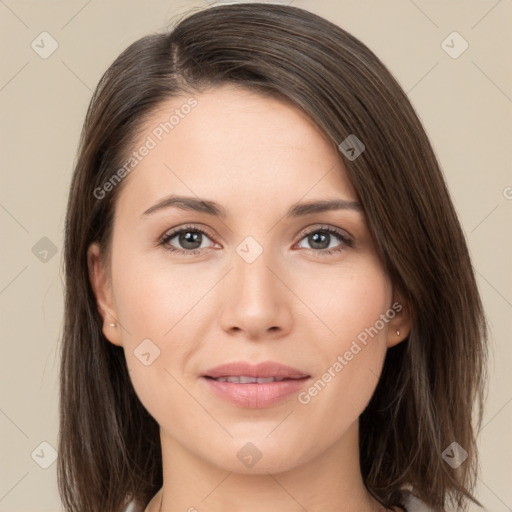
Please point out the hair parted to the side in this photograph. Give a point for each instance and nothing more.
(431, 390)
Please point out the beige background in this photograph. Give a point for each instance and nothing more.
(465, 104)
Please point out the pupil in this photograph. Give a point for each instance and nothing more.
(190, 237)
(319, 238)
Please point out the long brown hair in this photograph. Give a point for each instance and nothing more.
(432, 383)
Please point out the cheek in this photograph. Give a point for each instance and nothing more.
(346, 301)
(153, 311)
(353, 305)
(154, 296)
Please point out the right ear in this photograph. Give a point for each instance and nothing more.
(102, 288)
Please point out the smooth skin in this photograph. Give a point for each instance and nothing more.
(255, 156)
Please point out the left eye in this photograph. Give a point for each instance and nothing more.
(320, 239)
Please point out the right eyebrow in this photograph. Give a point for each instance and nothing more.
(188, 203)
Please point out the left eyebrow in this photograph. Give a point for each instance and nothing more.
(300, 209)
(213, 208)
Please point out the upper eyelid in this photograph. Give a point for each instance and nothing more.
(171, 233)
(324, 227)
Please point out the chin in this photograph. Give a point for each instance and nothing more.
(260, 455)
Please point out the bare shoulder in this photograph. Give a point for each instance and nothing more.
(134, 507)
(414, 504)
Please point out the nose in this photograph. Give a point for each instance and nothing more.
(257, 302)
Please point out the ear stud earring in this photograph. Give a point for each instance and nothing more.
(112, 325)
(397, 332)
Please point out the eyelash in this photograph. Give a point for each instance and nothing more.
(346, 241)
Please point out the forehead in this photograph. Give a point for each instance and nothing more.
(233, 144)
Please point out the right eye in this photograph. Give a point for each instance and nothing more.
(189, 237)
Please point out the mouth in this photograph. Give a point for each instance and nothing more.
(254, 386)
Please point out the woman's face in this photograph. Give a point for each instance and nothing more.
(258, 284)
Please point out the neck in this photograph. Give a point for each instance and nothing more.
(330, 481)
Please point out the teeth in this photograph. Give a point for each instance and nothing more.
(243, 379)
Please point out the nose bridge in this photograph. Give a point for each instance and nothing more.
(252, 271)
(256, 300)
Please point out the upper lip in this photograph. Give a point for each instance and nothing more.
(264, 369)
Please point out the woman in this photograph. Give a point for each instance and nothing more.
(269, 298)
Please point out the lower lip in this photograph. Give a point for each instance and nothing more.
(254, 395)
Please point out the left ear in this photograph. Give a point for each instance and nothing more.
(399, 326)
